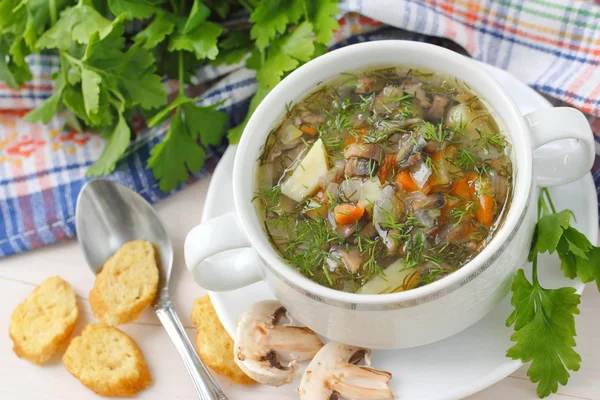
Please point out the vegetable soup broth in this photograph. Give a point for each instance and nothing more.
(384, 180)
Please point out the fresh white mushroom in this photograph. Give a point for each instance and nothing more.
(268, 352)
(334, 371)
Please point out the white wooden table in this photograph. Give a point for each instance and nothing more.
(23, 381)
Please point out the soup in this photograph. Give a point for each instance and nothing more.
(384, 180)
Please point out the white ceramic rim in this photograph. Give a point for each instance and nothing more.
(470, 72)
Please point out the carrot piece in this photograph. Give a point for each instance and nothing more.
(362, 131)
(347, 213)
(309, 130)
(462, 189)
(355, 138)
(351, 139)
(406, 180)
(484, 212)
(384, 170)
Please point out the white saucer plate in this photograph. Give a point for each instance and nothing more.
(452, 368)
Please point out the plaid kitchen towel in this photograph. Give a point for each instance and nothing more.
(550, 44)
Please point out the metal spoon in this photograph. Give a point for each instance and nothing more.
(108, 215)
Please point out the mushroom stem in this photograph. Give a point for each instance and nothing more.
(333, 372)
(361, 382)
(294, 342)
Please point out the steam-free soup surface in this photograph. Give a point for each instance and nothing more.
(384, 180)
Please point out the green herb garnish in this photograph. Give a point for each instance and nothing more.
(543, 319)
(108, 77)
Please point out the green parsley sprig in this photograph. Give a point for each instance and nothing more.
(108, 75)
(543, 319)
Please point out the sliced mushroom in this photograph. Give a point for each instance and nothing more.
(310, 118)
(418, 201)
(360, 167)
(436, 112)
(363, 150)
(432, 146)
(368, 84)
(451, 232)
(291, 158)
(389, 126)
(368, 232)
(427, 218)
(416, 89)
(345, 231)
(407, 123)
(350, 258)
(410, 144)
(334, 371)
(387, 99)
(260, 345)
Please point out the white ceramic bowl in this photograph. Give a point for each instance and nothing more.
(419, 316)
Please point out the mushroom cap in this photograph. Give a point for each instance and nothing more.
(260, 344)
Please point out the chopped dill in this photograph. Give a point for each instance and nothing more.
(433, 132)
(467, 160)
(489, 138)
(375, 136)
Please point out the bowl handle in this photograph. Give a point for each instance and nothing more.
(559, 167)
(212, 268)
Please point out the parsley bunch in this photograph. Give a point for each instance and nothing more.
(543, 318)
(108, 75)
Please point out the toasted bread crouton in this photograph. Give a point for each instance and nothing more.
(107, 361)
(215, 346)
(44, 321)
(126, 285)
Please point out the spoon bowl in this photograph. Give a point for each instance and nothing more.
(107, 216)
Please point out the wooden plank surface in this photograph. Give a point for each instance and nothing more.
(21, 380)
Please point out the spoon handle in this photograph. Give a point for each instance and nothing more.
(205, 385)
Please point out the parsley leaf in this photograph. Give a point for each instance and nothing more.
(322, 14)
(76, 23)
(197, 16)
(114, 149)
(545, 330)
(285, 54)
(129, 74)
(13, 72)
(272, 17)
(205, 123)
(90, 86)
(49, 107)
(155, 32)
(234, 47)
(176, 156)
(579, 257)
(543, 319)
(202, 41)
(550, 229)
(108, 76)
(131, 9)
